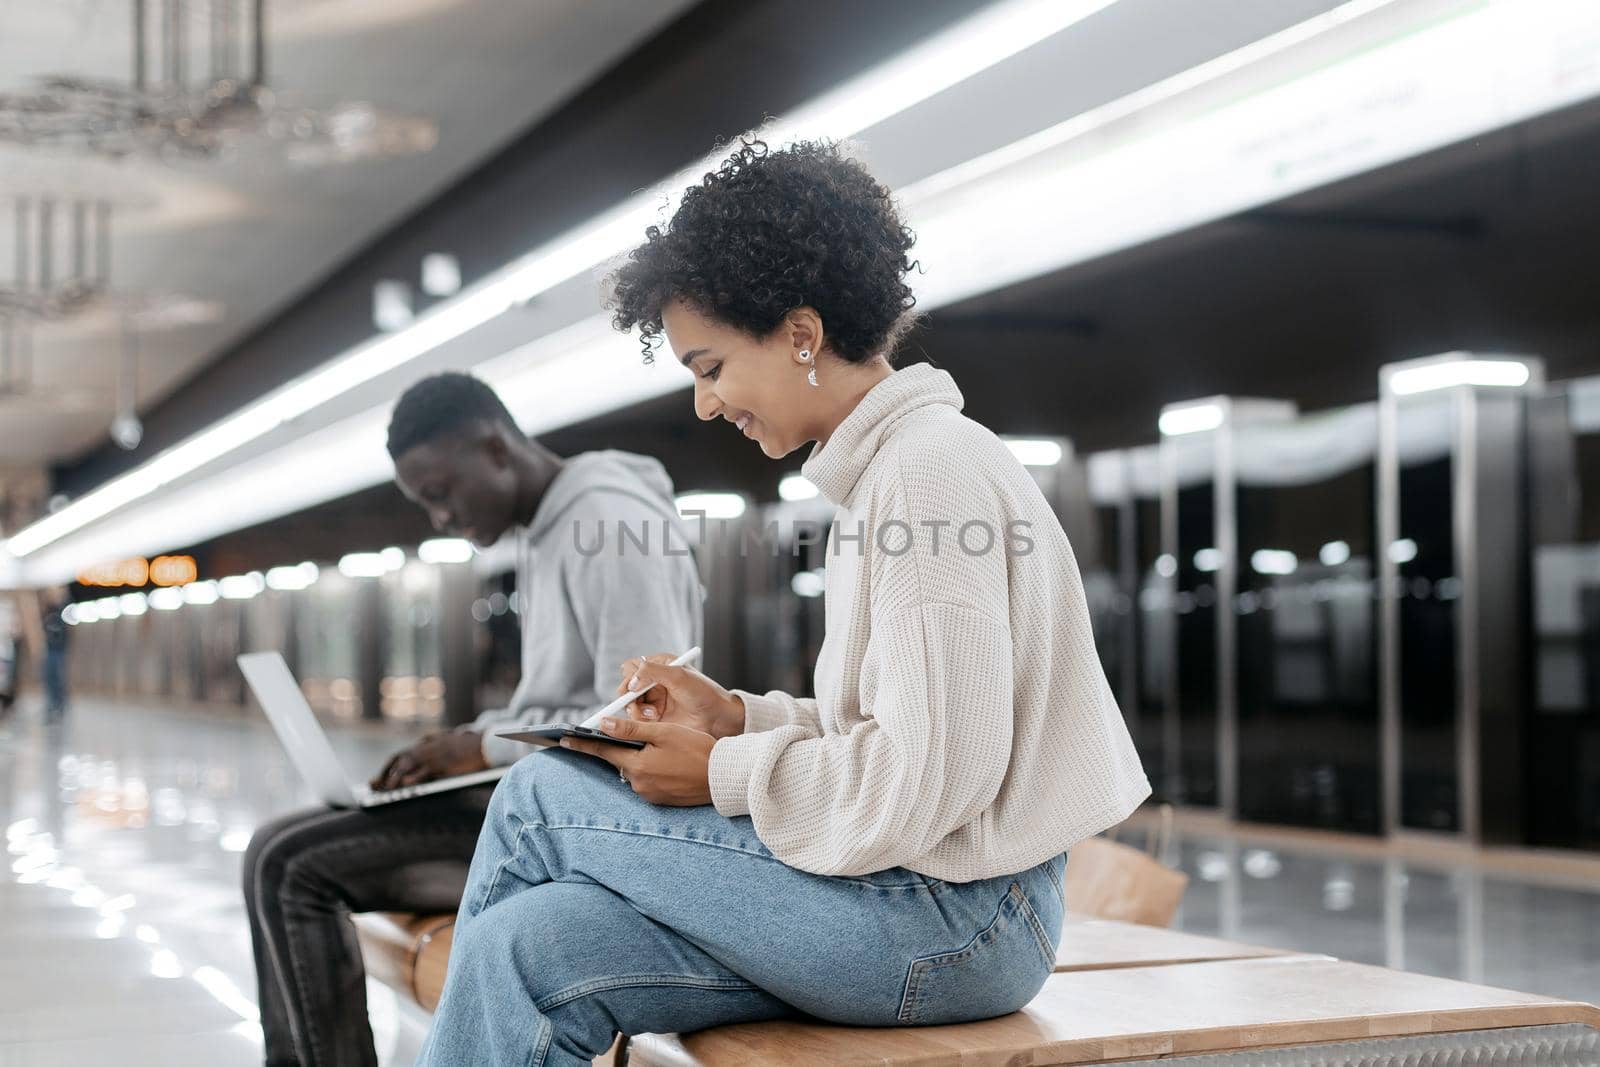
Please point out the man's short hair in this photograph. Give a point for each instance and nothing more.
(441, 405)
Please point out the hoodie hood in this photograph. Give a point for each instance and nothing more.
(610, 471)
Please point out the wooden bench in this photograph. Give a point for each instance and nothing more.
(1106, 944)
(1348, 1011)
(1120, 993)
(409, 953)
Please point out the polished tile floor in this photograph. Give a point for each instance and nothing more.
(122, 938)
(122, 931)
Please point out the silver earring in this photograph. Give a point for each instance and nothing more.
(811, 375)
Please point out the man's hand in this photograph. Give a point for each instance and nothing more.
(673, 768)
(437, 755)
(681, 695)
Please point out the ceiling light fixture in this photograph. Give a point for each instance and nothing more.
(168, 113)
(966, 49)
(62, 256)
(1476, 42)
(1448, 373)
(1191, 418)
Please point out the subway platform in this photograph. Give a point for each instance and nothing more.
(120, 914)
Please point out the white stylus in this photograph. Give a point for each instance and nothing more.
(593, 721)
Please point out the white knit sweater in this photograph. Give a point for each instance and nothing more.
(963, 726)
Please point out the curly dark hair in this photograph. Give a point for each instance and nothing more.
(770, 231)
(440, 405)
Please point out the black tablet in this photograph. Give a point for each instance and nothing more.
(549, 736)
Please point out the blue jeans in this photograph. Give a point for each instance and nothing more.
(589, 911)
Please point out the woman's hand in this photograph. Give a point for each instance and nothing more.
(673, 768)
(681, 695)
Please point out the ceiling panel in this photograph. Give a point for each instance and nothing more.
(255, 231)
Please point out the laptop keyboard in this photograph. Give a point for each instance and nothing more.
(405, 792)
(367, 795)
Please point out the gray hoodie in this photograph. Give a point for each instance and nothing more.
(589, 597)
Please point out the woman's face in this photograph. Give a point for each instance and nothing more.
(759, 385)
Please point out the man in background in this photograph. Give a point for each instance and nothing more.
(57, 636)
(460, 456)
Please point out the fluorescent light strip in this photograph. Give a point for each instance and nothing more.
(948, 58)
(241, 586)
(1034, 452)
(711, 505)
(200, 593)
(548, 382)
(445, 550)
(1399, 90)
(797, 487)
(292, 578)
(944, 60)
(1493, 373)
(973, 45)
(1138, 100)
(1212, 180)
(166, 599)
(1273, 561)
(366, 362)
(364, 565)
(1193, 419)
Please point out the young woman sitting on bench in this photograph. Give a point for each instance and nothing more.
(890, 852)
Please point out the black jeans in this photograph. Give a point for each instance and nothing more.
(306, 873)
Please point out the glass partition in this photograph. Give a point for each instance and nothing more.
(1564, 643)
(1194, 610)
(1307, 640)
(1425, 558)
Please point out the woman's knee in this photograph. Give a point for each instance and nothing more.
(537, 781)
(529, 938)
(488, 950)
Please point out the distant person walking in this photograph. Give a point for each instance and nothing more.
(57, 636)
(10, 654)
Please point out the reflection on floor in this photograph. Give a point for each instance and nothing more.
(1533, 930)
(122, 938)
(122, 932)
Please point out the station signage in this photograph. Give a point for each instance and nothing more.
(138, 571)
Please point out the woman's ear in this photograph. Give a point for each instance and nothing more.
(804, 327)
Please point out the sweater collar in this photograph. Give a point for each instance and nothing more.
(836, 467)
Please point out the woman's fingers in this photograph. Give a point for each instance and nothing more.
(651, 673)
(646, 708)
(630, 667)
(619, 757)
